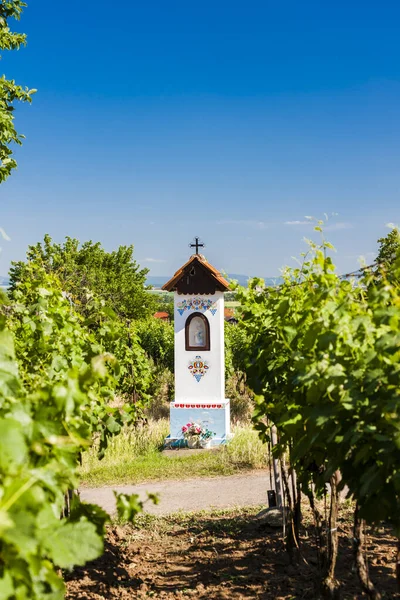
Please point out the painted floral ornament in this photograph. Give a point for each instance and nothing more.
(198, 368)
(197, 304)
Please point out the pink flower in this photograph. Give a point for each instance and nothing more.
(184, 429)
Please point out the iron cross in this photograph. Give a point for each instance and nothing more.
(197, 244)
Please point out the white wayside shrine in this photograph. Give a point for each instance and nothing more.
(199, 349)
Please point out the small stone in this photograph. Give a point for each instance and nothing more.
(273, 517)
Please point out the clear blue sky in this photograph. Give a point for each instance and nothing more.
(158, 121)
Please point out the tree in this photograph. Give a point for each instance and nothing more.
(9, 91)
(389, 251)
(88, 270)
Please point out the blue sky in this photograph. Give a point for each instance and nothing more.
(158, 121)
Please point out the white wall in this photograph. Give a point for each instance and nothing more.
(211, 387)
(215, 419)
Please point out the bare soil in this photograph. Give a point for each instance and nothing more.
(221, 555)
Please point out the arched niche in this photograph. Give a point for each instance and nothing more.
(197, 332)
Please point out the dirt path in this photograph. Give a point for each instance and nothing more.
(190, 495)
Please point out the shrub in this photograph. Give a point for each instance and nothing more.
(241, 397)
(157, 339)
(162, 393)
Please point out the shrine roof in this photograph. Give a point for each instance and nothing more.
(220, 282)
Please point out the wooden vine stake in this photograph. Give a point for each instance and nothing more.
(330, 585)
(361, 563)
(398, 563)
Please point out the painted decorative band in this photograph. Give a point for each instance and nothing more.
(197, 304)
(178, 405)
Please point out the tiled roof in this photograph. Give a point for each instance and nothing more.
(222, 283)
(161, 315)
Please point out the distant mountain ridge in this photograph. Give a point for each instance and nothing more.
(158, 281)
(4, 282)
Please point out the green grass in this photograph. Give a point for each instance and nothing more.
(135, 457)
(232, 304)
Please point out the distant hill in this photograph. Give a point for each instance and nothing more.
(243, 279)
(4, 282)
(158, 281)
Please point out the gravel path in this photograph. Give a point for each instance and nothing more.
(189, 495)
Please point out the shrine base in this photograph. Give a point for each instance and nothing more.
(216, 417)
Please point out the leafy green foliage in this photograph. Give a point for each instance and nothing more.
(10, 92)
(128, 507)
(157, 339)
(236, 388)
(42, 433)
(88, 270)
(3, 297)
(235, 343)
(389, 249)
(323, 355)
(52, 338)
(162, 392)
(71, 333)
(120, 338)
(56, 383)
(165, 302)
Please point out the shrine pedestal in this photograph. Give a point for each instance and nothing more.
(214, 416)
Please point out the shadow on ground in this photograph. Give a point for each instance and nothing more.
(216, 558)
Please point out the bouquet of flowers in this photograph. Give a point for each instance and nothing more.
(196, 434)
(191, 429)
(206, 434)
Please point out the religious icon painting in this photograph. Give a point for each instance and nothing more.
(197, 332)
(198, 368)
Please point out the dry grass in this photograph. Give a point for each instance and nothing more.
(135, 456)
